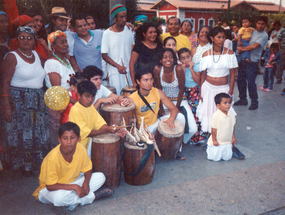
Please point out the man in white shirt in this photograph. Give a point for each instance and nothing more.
(117, 45)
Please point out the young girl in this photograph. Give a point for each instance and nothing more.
(170, 42)
(192, 89)
(170, 78)
(272, 57)
(74, 80)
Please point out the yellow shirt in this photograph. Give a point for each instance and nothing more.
(55, 169)
(246, 32)
(88, 119)
(142, 109)
(181, 40)
(225, 127)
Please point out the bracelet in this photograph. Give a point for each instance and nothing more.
(5, 95)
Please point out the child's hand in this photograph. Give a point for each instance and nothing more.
(191, 65)
(79, 190)
(240, 43)
(109, 100)
(86, 188)
(215, 143)
(234, 141)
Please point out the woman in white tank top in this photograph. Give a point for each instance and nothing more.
(170, 78)
(25, 137)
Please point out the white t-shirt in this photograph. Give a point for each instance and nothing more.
(118, 45)
(52, 65)
(103, 92)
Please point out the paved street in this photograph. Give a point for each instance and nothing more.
(195, 186)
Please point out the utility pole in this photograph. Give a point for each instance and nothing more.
(228, 14)
(112, 3)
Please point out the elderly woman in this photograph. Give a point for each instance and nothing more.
(58, 71)
(24, 20)
(24, 111)
(186, 30)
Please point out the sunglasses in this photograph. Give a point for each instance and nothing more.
(25, 38)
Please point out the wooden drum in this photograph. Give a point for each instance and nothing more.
(131, 160)
(106, 158)
(114, 114)
(112, 89)
(168, 139)
(128, 90)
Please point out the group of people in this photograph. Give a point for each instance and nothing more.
(191, 75)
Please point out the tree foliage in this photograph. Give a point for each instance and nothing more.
(157, 21)
(272, 17)
(99, 9)
(236, 15)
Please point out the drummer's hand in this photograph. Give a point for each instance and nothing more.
(121, 69)
(170, 123)
(121, 133)
(108, 100)
(125, 102)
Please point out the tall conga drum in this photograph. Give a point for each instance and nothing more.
(132, 158)
(169, 139)
(128, 90)
(106, 158)
(114, 113)
(112, 89)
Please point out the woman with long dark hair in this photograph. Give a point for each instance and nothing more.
(146, 50)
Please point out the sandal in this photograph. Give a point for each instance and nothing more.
(180, 156)
(104, 192)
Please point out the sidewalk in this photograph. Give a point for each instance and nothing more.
(194, 186)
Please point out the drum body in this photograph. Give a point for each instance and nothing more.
(168, 139)
(128, 90)
(112, 89)
(114, 114)
(106, 158)
(131, 160)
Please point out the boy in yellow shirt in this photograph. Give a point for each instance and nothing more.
(60, 180)
(84, 114)
(244, 35)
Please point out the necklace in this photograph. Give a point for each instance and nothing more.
(219, 55)
(68, 66)
(27, 56)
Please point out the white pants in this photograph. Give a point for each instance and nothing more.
(180, 117)
(89, 148)
(216, 153)
(119, 81)
(70, 197)
(191, 121)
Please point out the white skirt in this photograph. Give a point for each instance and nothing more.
(207, 107)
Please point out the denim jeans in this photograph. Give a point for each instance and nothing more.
(268, 77)
(246, 78)
(245, 54)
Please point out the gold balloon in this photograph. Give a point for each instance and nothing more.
(57, 98)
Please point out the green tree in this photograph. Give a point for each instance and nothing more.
(272, 17)
(236, 15)
(156, 20)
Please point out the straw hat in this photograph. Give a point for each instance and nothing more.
(59, 11)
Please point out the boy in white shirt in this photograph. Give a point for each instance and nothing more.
(221, 142)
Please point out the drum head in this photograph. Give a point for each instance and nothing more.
(166, 131)
(129, 89)
(106, 138)
(117, 108)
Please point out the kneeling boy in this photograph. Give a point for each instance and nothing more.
(60, 180)
(221, 142)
